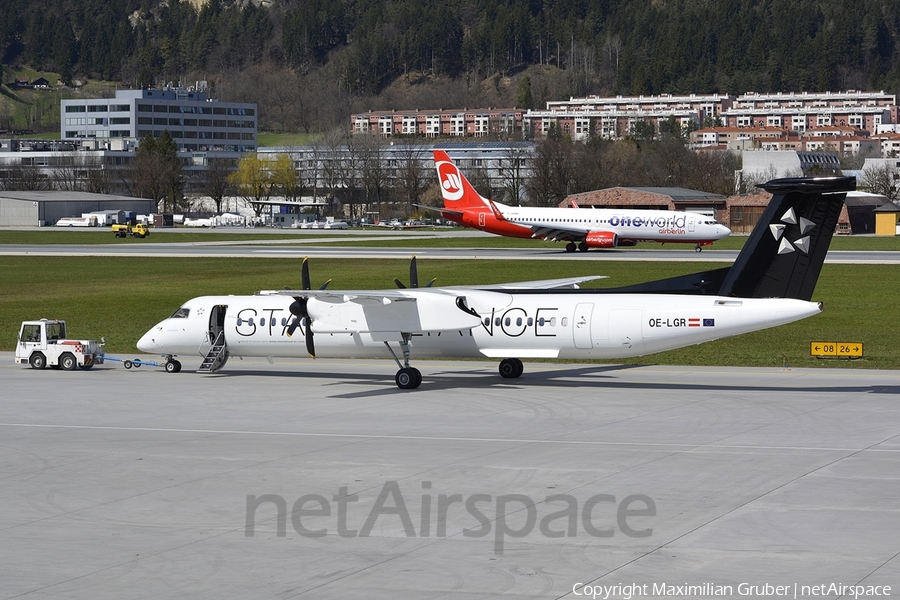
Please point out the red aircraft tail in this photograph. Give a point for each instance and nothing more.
(458, 193)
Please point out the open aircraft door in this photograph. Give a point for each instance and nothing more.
(216, 327)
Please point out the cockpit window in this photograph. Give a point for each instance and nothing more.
(181, 313)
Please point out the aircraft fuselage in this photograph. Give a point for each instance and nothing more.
(526, 325)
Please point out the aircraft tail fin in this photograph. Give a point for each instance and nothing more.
(785, 251)
(458, 193)
(784, 254)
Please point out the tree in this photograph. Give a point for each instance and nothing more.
(880, 179)
(553, 175)
(413, 176)
(284, 177)
(512, 173)
(157, 171)
(523, 94)
(215, 180)
(253, 181)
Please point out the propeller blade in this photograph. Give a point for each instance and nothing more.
(431, 283)
(399, 284)
(293, 326)
(310, 346)
(413, 273)
(304, 274)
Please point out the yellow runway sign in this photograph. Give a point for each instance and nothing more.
(836, 349)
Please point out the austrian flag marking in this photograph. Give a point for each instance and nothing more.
(694, 322)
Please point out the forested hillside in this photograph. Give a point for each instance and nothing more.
(309, 62)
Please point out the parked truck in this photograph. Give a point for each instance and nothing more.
(42, 343)
(138, 230)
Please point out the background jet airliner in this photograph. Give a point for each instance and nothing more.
(582, 229)
(770, 283)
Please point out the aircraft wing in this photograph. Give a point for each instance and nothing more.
(548, 284)
(438, 209)
(386, 313)
(553, 233)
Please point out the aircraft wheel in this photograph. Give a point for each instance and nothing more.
(37, 360)
(511, 368)
(583, 246)
(570, 247)
(172, 366)
(68, 361)
(406, 378)
(418, 375)
(698, 249)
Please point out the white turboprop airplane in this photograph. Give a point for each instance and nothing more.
(582, 229)
(770, 283)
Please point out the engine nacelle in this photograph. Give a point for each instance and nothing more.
(601, 239)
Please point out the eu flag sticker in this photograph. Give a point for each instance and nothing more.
(709, 322)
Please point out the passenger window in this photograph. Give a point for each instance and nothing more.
(565, 321)
(240, 321)
(519, 322)
(553, 322)
(497, 322)
(487, 321)
(541, 321)
(530, 321)
(506, 321)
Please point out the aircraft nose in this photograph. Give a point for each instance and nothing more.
(147, 343)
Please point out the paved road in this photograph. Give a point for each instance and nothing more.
(322, 480)
(272, 249)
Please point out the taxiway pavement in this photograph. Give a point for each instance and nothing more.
(305, 479)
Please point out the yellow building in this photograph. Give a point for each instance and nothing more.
(887, 219)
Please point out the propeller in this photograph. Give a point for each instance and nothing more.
(298, 309)
(413, 277)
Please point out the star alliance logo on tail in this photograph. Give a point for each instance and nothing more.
(790, 218)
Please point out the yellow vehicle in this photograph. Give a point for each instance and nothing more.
(138, 230)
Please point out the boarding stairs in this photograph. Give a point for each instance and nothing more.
(216, 357)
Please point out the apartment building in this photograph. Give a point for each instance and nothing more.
(439, 123)
(614, 117)
(805, 110)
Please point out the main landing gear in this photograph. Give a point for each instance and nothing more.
(511, 368)
(699, 248)
(572, 246)
(407, 378)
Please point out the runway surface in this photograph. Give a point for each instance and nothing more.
(273, 249)
(305, 479)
